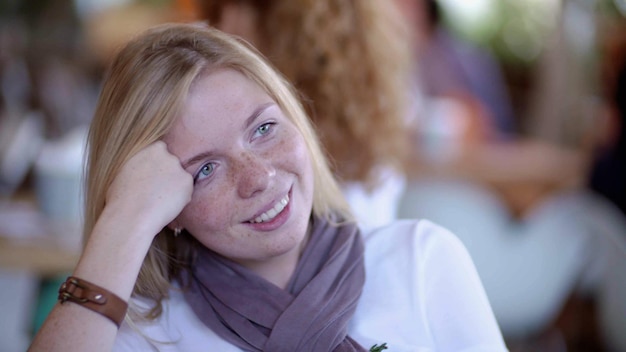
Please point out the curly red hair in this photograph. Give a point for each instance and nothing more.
(350, 61)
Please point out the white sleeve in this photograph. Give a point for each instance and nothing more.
(456, 305)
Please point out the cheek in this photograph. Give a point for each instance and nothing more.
(206, 211)
(295, 154)
(298, 161)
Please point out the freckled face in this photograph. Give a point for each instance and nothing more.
(253, 190)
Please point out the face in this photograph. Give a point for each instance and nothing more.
(253, 178)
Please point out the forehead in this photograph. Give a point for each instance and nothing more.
(217, 106)
(219, 92)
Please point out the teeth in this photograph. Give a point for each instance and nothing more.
(270, 214)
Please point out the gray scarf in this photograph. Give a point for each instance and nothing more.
(310, 315)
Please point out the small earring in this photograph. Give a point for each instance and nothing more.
(177, 231)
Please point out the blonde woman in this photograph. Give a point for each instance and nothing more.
(212, 211)
(350, 60)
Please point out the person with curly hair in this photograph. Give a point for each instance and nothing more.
(351, 63)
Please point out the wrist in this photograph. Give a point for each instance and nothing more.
(93, 297)
(114, 253)
(144, 225)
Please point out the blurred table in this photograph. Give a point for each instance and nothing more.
(520, 172)
(37, 257)
(30, 242)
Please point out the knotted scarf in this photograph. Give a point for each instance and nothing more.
(310, 315)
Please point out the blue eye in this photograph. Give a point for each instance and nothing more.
(264, 128)
(205, 171)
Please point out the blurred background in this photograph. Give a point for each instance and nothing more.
(517, 126)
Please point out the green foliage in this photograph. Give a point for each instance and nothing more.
(377, 348)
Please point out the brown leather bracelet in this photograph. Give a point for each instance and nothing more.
(93, 297)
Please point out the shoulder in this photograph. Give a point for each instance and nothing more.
(423, 250)
(421, 254)
(419, 237)
(419, 273)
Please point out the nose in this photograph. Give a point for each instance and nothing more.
(253, 174)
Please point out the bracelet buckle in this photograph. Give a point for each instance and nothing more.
(68, 289)
(93, 297)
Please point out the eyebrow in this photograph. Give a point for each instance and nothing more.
(201, 156)
(258, 111)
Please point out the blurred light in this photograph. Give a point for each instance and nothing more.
(526, 25)
(476, 17)
(544, 13)
(522, 39)
(579, 26)
(85, 8)
(621, 6)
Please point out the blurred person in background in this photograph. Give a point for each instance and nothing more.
(350, 61)
(539, 238)
(460, 86)
(451, 66)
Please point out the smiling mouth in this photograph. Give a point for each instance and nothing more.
(270, 214)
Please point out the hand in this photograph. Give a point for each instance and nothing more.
(152, 187)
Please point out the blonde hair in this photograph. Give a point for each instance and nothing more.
(351, 60)
(141, 96)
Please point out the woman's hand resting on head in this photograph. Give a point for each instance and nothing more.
(151, 187)
(149, 191)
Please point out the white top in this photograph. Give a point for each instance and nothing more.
(422, 293)
(379, 206)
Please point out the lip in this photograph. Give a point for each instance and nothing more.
(277, 221)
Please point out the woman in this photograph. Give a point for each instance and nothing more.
(350, 61)
(203, 162)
